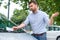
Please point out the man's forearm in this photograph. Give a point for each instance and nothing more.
(51, 21)
(21, 26)
(52, 17)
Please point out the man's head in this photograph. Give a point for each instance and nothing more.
(33, 5)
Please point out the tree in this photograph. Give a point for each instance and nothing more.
(19, 16)
(1, 2)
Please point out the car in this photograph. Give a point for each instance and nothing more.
(53, 32)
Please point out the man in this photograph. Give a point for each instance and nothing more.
(38, 21)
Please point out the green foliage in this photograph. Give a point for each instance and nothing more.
(1, 2)
(19, 16)
(57, 4)
(22, 3)
(5, 6)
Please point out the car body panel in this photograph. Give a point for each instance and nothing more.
(52, 35)
(16, 36)
(53, 32)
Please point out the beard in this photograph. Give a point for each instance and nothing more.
(33, 10)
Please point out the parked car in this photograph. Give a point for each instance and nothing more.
(53, 32)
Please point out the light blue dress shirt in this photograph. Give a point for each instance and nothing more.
(38, 21)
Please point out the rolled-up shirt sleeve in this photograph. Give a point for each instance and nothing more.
(46, 19)
(26, 22)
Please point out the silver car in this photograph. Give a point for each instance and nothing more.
(53, 33)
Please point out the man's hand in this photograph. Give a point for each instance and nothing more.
(18, 27)
(55, 14)
(52, 17)
(15, 28)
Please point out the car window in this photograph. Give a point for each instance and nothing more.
(53, 28)
(4, 22)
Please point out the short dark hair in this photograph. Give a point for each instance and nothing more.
(33, 2)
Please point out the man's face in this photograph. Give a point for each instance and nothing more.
(32, 6)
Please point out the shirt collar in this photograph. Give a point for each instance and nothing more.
(36, 12)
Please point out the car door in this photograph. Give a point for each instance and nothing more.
(53, 32)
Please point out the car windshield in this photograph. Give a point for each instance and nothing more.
(4, 22)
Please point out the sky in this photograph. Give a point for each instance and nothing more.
(12, 7)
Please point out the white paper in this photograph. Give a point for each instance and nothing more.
(9, 29)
